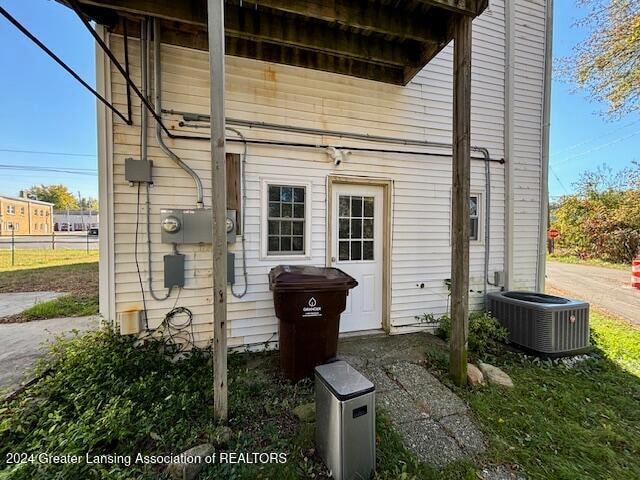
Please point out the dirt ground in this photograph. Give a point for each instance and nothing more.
(80, 279)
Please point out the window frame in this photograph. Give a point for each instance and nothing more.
(264, 218)
(480, 216)
(11, 209)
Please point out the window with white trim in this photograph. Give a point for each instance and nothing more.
(286, 212)
(11, 209)
(474, 216)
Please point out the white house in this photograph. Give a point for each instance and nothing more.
(336, 171)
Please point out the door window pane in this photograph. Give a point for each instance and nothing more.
(343, 230)
(367, 250)
(356, 250)
(356, 206)
(356, 228)
(343, 248)
(345, 208)
(367, 228)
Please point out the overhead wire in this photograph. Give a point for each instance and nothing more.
(41, 152)
(59, 61)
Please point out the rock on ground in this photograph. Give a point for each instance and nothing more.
(475, 378)
(306, 412)
(190, 470)
(495, 376)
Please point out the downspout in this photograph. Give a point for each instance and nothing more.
(158, 108)
(544, 174)
(508, 142)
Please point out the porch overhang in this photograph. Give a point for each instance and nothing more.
(380, 40)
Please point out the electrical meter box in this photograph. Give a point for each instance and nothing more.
(183, 226)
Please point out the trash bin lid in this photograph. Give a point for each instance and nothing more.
(292, 278)
(343, 380)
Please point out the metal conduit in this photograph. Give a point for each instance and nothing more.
(158, 109)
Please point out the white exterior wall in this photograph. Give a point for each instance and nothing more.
(528, 65)
(260, 91)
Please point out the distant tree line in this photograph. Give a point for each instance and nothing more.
(602, 219)
(61, 197)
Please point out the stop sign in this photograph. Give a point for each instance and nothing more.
(553, 233)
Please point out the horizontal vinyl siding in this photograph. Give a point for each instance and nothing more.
(259, 91)
(529, 62)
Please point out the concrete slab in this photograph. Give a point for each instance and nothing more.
(462, 428)
(12, 303)
(400, 407)
(431, 443)
(20, 344)
(432, 420)
(428, 393)
(379, 377)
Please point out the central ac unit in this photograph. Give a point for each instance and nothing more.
(543, 323)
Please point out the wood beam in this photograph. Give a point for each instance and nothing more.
(472, 8)
(460, 199)
(384, 19)
(315, 60)
(294, 31)
(218, 208)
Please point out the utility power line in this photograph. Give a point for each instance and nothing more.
(70, 171)
(592, 139)
(597, 148)
(38, 152)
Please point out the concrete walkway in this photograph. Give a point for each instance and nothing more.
(12, 303)
(608, 289)
(20, 344)
(434, 422)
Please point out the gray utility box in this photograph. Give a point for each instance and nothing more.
(345, 421)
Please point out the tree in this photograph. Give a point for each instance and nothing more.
(59, 195)
(89, 203)
(607, 63)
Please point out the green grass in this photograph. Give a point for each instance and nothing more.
(589, 261)
(107, 395)
(65, 306)
(568, 423)
(31, 258)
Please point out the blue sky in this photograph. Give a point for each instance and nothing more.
(45, 110)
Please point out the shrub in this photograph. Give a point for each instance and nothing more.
(484, 332)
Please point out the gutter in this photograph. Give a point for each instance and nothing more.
(544, 174)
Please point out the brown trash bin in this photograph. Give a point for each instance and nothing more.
(308, 302)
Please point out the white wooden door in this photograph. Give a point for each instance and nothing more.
(357, 241)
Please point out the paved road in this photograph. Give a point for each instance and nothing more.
(74, 241)
(21, 345)
(12, 303)
(606, 288)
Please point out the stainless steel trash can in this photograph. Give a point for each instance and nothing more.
(345, 421)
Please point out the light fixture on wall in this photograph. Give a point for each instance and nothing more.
(338, 156)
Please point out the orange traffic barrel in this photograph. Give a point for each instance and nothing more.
(635, 272)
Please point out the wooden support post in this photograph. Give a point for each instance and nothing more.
(219, 207)
(460, 199)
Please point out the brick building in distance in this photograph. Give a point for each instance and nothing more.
(25, 216)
